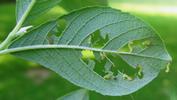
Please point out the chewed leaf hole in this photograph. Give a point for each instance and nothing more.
(136, 46)
(87, 54)
(62, 24)
(97, 40)
(139, 69)
(52, 36)
(56, 32)
(109, 66)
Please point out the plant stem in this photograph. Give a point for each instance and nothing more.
(13, 34)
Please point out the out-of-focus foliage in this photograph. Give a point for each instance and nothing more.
(76, 4)
(7, 19)
(5, 1)
(155, 2)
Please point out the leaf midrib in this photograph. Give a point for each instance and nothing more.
(34, 47)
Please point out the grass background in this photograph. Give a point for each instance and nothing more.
(22, 80)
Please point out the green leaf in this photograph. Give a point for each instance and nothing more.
(81, 94)
(38, 7)
(65, 53)
(70, 5)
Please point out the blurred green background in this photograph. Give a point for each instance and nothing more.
(22, 80)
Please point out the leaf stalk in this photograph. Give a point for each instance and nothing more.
(13, 34)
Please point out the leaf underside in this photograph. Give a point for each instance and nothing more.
(40, 7)
(76, 4)
(110, 36)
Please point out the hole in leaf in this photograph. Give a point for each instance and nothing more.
(109, 66)
(56, 32)
(139, 69)
(62, 23)
(136, 46)
(51, 37)
(97, 40)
